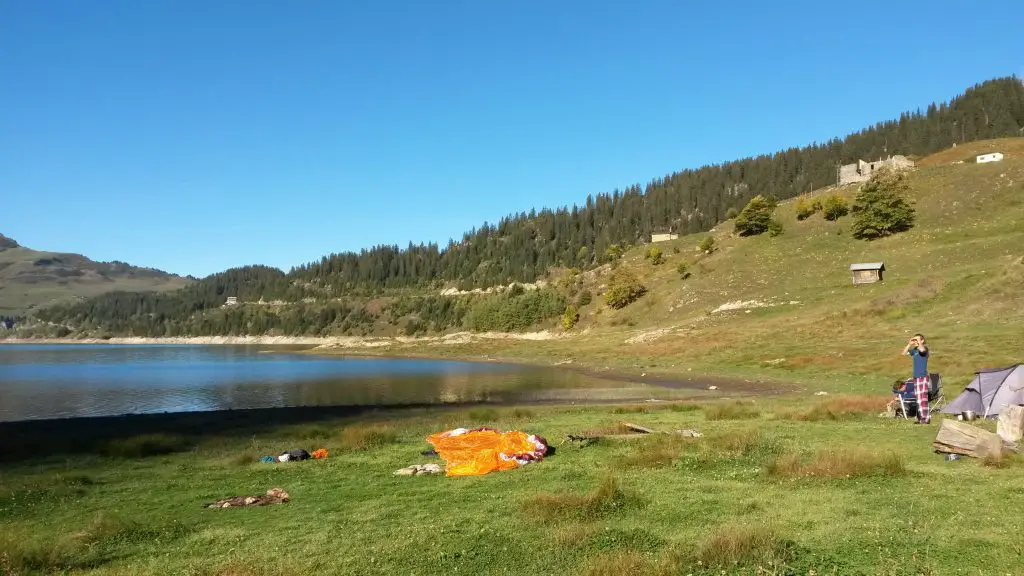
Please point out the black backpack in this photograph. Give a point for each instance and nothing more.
(296, 454)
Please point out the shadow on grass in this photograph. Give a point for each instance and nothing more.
(146, 445)
(141, 435)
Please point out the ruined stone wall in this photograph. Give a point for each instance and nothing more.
(861, 171)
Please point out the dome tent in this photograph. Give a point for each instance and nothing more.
(990, 391)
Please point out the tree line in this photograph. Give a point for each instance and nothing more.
(522, 247)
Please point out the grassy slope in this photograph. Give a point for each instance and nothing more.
(957, 277)
(24, 284)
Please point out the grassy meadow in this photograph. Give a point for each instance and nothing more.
(791, 483)
(783, 486)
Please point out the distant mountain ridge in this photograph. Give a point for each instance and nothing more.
(30, 278)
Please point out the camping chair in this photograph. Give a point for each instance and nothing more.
(906, 399)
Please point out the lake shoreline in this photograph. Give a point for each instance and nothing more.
(383, 347)
(325, 341)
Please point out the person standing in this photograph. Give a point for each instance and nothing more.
(918, 352)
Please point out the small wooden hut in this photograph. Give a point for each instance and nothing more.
(867, 273)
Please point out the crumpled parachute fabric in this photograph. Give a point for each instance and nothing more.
(481, 451)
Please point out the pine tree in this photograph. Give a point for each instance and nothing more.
(881, 207)
(755, 217)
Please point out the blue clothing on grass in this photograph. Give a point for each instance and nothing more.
(920, 362)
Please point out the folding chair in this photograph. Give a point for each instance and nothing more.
(908, 397)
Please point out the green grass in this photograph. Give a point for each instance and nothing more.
(793, 495)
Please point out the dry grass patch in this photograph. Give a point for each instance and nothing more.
(838, 407)
(1000, 460)
(731, 411)
(251, 567)
(636, 409)
(743, 442)
(522, 413)
(618, 428)
(894, 304)
(856, 404)
(619, 564)
(655, 452)
(20, 556)
(732, 545)
(574, 534)
(363, 437)
(834, 464)
(733, 444)
(606, 498)
(685, 407)
(634, 564)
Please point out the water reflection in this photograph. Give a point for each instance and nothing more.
(73, 380)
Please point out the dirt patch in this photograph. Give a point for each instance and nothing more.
(750, 305)
(650, 336)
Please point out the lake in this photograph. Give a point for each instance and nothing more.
(72, 380)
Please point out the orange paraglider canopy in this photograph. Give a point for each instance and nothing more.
(483, 450)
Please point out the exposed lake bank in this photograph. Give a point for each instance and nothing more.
(330, 341)
(486, 347)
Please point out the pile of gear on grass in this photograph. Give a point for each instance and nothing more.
(465, 451)
(297, 455)
(274, 495)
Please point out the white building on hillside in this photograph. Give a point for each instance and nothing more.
(993, 157)
(663, 237)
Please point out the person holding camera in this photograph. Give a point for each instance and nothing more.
(918, 352)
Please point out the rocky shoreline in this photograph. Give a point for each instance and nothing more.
(316, 341)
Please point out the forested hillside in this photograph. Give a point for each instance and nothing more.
(523, 247)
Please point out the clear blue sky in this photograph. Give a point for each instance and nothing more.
(199, 135)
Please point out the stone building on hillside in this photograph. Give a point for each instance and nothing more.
(861, 171)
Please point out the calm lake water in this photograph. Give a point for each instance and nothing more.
(59, 381)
